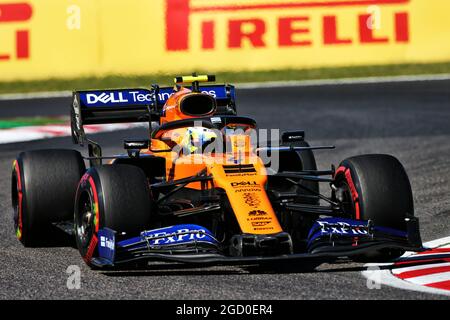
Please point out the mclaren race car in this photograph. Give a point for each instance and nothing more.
(201, 188)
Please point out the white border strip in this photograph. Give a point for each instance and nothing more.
(398, 271)
(35, 95)
(344, 81)
(31, 133)
(262, 85)
(385, 277)
(442, 243)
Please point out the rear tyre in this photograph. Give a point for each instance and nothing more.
(43, 188)
(375, 187)
(113, 196)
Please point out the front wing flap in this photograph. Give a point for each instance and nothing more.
(328, 240)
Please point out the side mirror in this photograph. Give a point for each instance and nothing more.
(135, 146)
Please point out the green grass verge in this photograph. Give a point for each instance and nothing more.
(231, 77)
(33, 121)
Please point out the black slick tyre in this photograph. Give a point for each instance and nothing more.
(376, 187)
(110, 196)
(43, 188)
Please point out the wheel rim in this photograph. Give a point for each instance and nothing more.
(344, 197)
(85, 220)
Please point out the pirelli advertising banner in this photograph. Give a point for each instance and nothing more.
(60, 38)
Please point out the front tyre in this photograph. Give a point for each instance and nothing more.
(110, 196)
(375, 187)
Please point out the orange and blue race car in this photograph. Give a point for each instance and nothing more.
(204, 188)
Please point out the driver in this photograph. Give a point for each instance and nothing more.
(197, 139)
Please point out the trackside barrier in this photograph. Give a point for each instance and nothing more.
(62, 38)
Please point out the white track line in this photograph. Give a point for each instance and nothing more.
(384, 277)
(268, 84)
(35, 95)
(441, 243)
(376, 273)
(29, 133)
(343, 81)
(420, 267)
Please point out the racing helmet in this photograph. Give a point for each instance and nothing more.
(197, 138)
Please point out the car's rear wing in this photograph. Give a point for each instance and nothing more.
(134, 105)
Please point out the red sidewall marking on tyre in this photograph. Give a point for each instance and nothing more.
(19, 232)
(340, 170)
(94, 240)
(96, 203)
(427, 271)
(348, 177)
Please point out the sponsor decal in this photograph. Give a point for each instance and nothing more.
(222, 35)
(257, 213)
(342, 228)
(260, 223)
(180, 234)
(244, 184)
(144, 97)
(105, 98)
(116, 97)
(252, 199)
(106, 243)
(246, 190)
(17, 13)
(329, 228)
(295, 30)
(259, 220)
(232, 174)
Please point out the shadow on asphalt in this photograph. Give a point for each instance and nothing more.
(56, 238)
(175, 269)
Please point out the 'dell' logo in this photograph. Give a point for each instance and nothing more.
(105, 98)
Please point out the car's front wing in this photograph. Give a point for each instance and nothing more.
(329, 239)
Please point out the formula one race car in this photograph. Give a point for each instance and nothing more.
(201, 188)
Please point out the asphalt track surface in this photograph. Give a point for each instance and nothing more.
(408, 120)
